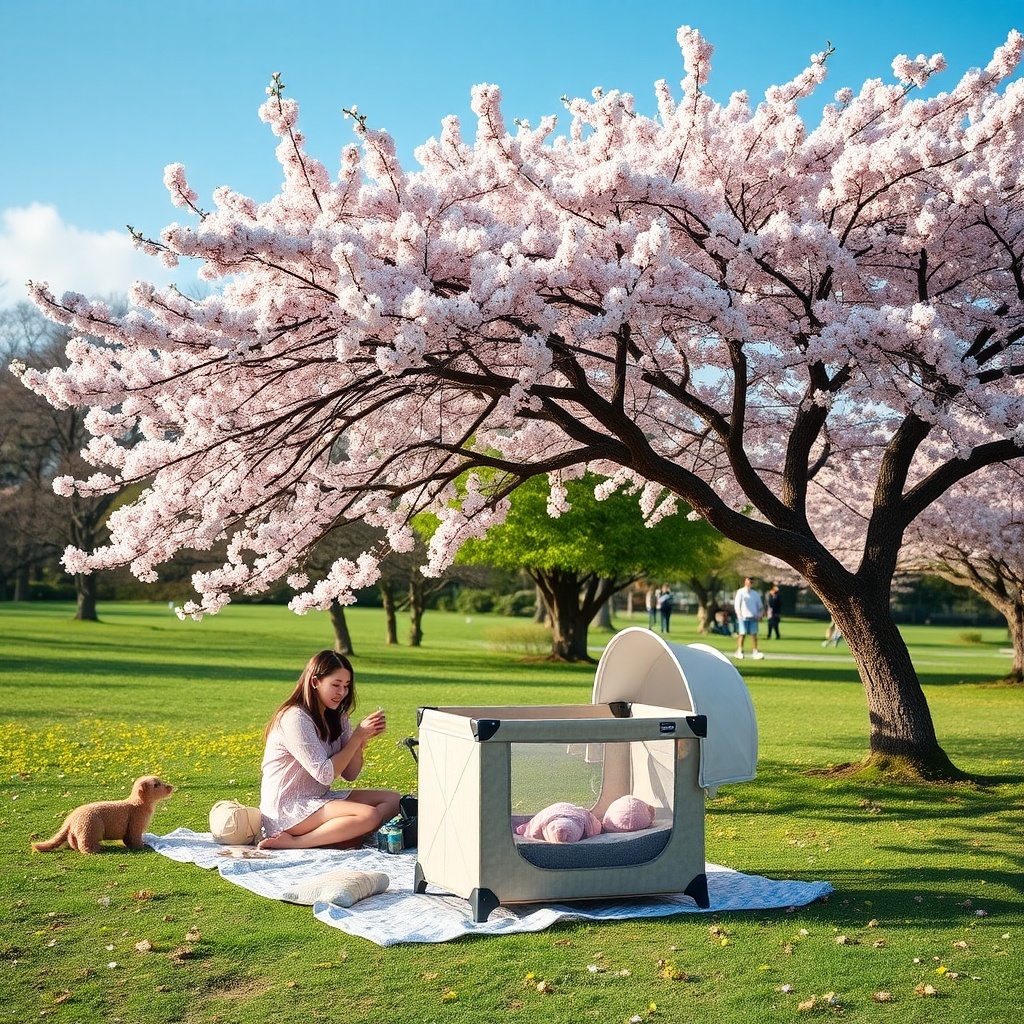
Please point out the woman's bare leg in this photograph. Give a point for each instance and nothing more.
(384, 800)
(338, 821)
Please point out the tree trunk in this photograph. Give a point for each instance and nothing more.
(540, 609)
(1012, 609)
(21, 588)
(902, 735)
(416, 608)
(1003, 590)
(1015, 623)
(86, 529)
(571, 604)
(603, 618)
(705, 617)
(85, 594)
(342, 637)
(569, 623)
(705, 603)
(568, 632)
(391, 626)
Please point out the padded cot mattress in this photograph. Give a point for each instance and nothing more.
(607, 850)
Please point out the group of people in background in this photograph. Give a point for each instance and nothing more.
(743, 618)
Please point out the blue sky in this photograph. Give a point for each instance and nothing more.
(101, 94)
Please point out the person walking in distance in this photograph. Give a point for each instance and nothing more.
(665, 608)
(651, 603)
(749, 611)
(774, 602)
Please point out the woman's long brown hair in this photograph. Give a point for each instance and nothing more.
(328, 723)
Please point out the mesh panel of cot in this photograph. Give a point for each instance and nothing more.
(592, 775)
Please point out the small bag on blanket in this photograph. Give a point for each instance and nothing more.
(409, 807)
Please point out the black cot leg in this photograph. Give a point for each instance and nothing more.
(697, 890)
(419, 883)
(483, 901)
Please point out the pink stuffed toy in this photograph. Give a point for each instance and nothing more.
(561, 823)
(628, 814)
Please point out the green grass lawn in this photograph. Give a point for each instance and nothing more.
(927, 907)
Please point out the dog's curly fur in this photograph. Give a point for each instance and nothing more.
(87, 826)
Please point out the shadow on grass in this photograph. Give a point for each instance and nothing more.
(809, 802)
(909, 899)
(105, 670)
(818, 672)
(112, 672)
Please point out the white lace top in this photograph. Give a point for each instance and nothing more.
(297, 770)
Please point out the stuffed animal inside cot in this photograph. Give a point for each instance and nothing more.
(561, 823)
(627, 814)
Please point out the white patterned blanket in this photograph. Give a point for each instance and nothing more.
(400, 915)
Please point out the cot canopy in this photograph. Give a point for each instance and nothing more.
(639, 665)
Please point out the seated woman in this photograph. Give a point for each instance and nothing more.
(310, 743)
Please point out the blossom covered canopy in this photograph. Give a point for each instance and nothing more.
(716, 302)
(988, 556)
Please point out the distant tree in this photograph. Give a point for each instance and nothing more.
(39, 444)
(28, 537)
(401, 584)
(404, 587)
(591, 551)
(717, 575)
(339, 626)
(344, 542)
(974, 537)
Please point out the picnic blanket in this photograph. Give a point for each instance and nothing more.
(401, 915)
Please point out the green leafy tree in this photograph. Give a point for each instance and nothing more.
(587, 554)
(714, 576)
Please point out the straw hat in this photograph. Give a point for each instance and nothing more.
(234, 824)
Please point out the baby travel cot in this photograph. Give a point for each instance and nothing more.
(666, 723)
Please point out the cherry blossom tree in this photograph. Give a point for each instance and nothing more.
(715, 303)
(974, 536)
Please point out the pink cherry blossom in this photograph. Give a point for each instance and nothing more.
(776, 321)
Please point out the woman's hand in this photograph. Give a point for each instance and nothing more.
(372, 725)
(348, 762)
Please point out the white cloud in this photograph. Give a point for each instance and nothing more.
(37, 245)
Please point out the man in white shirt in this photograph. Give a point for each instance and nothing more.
(749, 612)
